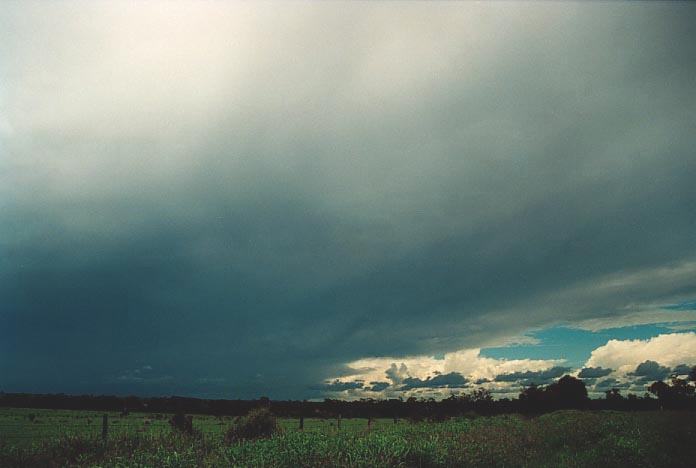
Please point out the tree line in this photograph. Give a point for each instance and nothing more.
(567, 392)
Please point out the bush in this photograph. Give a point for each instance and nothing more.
(260, 423)
(182, 424)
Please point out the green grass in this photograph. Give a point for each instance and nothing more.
(16, 428)
(566, 438)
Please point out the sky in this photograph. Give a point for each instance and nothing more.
(345, 200)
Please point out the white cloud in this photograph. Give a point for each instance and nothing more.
(625, 355)
(470, 363)
(467, 362)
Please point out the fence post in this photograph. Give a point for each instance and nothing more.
(301, 422)
(338, 421)
(369, 423)
(105, 426)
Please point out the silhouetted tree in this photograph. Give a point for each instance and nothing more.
(614, 399)
(680, 394)
(661, 390)
(681, 387)
(614, 395)
(568, 392)
(532, 399)
(264, 402)
(692, 374)
(482, 400)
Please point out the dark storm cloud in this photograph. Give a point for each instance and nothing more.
(533, 377)
(377, 386)
(452, 379)
(650, 371)
(213, 190)
(594, 372)
(337, 386)
(681, 369)
(610, 383)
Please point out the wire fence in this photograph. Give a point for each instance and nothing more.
(48, 428)
(51, 429)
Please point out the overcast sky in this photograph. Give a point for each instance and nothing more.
(299, 199)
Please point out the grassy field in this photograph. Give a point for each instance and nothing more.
(564, 438)
(24, 427)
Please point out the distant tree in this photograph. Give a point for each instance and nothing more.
(481, 395)
(482, 400)
(678, 394)
(662, 391)
(568, 392)
(415, 409)
(456, 404)
(681, 388)
(692, 374)
(659, 388)
(532, 398)
(265, 402)
(614, 399)
(614, 395)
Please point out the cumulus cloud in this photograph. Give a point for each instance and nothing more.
(609, 383)
(453, 370)
(396, 374)
(452, 379)
(533, 377)
(338, 386)
(637, 363)
(377, 386)
(650, 371)
(625, 356)
(214, 181)
(593, 372)
(682, 369)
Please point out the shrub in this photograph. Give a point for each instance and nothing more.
(182, 424)
(258, 424)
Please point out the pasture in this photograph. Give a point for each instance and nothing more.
(31, 437)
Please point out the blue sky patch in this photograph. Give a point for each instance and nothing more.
(687, 305)
(573, 344)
